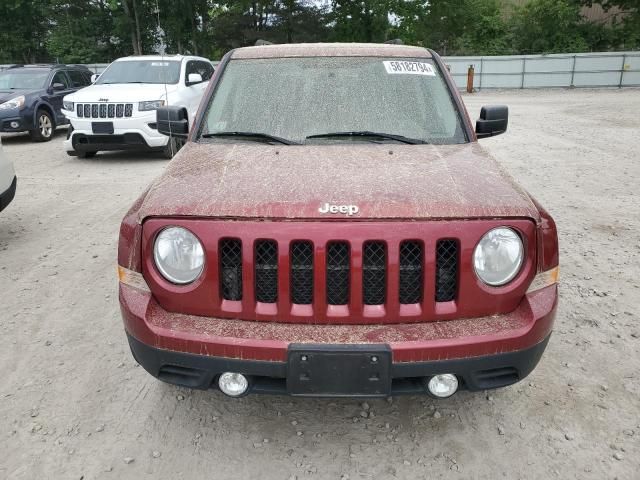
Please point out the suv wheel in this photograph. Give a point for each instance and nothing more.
(172, 147)
(45, 127)
(75, 153)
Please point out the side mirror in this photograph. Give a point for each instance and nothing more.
(95, 77)
(193, 79)
(493, 121)
(58, 87)
(173, 121)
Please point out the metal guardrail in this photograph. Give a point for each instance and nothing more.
(610, 69)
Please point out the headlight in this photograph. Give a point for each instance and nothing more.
(17, 102)
(68, 105)
(498, 256)
(179, 255)
(150, 105)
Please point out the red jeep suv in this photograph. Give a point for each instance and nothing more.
(331, 227)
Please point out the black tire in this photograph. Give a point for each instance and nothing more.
(45, 127)
(171, 148)
(75, 153)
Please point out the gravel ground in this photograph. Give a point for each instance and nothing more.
(74, 404)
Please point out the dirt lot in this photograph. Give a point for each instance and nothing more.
(73, 403)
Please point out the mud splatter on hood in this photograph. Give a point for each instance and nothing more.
(385, 181)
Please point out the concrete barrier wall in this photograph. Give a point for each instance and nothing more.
(607, 69)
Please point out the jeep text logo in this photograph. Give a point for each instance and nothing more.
(346, 209)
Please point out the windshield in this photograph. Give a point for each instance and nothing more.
(23, 78)
(141, 71)
(353, 98)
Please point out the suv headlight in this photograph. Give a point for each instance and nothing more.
(67, 105)
(17, 102)
(150, 105)
(498, 257)
(179, 255)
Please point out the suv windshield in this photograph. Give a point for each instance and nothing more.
(23, 78)
(334, 99)
(141, 71)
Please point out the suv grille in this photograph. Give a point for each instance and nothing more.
(302, 273)
(446, 270)
(411, 282)
(231, 269)
(308, 272)
(104, 110)
(266, 265)
(374, 273)
(338, 272)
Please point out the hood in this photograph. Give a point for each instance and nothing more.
(6, 95)
(121, 93)
(292, 182)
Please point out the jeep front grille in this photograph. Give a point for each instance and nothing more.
(231, 269)
(266, 266)
(446, 270)
(301, 256)
(374, 273)
(340, 272)
(411, 286)
(104, 110)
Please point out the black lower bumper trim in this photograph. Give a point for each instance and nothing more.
(7, 197)
(105, 142)
(200, 371)
(5, 125)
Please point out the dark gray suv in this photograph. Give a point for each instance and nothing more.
(31, 97)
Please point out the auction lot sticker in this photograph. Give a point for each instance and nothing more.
(409, 68)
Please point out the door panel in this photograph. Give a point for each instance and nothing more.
(55, 97)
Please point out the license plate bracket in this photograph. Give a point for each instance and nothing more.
(339, 370)
(104, 128)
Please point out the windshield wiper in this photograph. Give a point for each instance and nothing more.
(257, 135)
(366, 133)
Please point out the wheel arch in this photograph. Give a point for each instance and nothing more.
(43, 106)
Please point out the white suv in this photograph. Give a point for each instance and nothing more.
(7, 180)
(118, 112)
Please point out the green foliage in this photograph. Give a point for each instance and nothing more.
(466, 27)
(485, 31)
(361, 21)
(548, 26)
(87, 31)
(625, 20)
(23, 28)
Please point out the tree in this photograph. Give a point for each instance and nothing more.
(87, 41)
(23, 30)
(361, 21)
(625, 21)
(548, 26)
(484, 30)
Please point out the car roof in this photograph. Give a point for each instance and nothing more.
(45, 66)
(331, 50)
(159, 57)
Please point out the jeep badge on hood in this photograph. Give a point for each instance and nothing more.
(346, 209)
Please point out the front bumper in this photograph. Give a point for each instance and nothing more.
(135, 133)
(13, 121)
(7, 197)
(192, 351)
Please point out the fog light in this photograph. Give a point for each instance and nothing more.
(443, 386)
(233, 384)
(15, 124)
